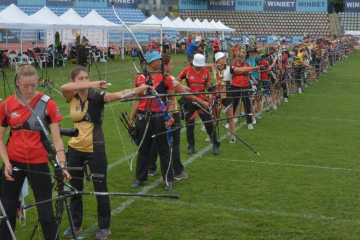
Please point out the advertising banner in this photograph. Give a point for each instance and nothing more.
(297, 39)
(289, 39)
(280, 5)
(122, 3)
(221, 4)
(91, 3)
(193, 4)
(249, 5)
(60, 2)
(352, 5)
(261, 39)
(11, 37)
(8, 2)
(311, 5)
(32, 2)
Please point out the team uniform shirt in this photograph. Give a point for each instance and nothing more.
(216, 45)
(264, 66)
(238, 79)
(191, 48)
(196, 81)
(252, 63)
(189, 41)
(297, 59)
(152, 47)
(235, 50)
(26, 145)
(284, 60)
(161, 85)
(255, 40)
(247, 41)
(87, 117)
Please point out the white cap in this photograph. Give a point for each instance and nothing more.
(197, 39)
(199, 60)
(219, 55)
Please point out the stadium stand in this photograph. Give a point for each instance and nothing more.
(267, 22)
(350, 21)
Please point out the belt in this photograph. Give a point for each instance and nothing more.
(142, 116)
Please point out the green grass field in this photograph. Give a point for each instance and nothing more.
(304, 185)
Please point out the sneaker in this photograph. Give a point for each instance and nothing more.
(324, 70)
(279, 102)
(254, 121)
(68, 232)
(169, 186)
(102, 233)
(250, 126)
(236, 120)
(137, 184)
(305, 84)
(181, 176)
(227, 125)
(152, 173)
(203, 127)
(291, 94)
(259, 116)
(216, 150)
(274, 107)
(191, 150)
(242, 115)
(286, 100)
(299, 90)
(233, 139)
(207, 139)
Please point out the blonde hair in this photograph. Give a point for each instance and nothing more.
(25, 70)
(241, 55)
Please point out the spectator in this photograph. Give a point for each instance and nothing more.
(191, 49)
(154, 46)
(216, 44)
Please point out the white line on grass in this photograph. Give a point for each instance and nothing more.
(145, 189)
(285, 164)
(255, 211)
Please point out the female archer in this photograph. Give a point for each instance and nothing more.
(25, 150)
(87, 110)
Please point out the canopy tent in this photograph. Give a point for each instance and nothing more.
(72, 16)
(209, 25)
(152, 23)
(23, 20)
(6, 23)
(51, 19)
(225, 28)
(200, 25)
(194, 27)
(95, 19)
(166, 22)
(180, 23)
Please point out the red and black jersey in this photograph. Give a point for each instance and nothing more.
(239, 79)
(162, 85)
(216, 45)
(264, 66)
(284, 60)
(26, 139)
(152, 47)
(196, 81)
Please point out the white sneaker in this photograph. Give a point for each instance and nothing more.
(203, 127)
(286, 99)
(250, 126)
(254, 121)
(233, 139)
(324, 70)
(235, 120)
(227, 125)
(299, 90)
(274, 107)
(305, 84)
(207, 139)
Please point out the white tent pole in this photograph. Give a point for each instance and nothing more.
(104, 45)
(7, 44)
(176, 40)
(21, 42)
(161, 39)
(223, 38)
(36, 37)
(122, 45)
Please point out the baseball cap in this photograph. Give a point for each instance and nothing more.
(152, 56)
(199, 60)
(197, 39)
(219, 55)
(154, 40)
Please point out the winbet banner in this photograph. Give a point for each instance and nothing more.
(352, 5)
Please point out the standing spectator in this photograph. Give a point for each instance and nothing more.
(206, 47)
(58, 46)
(247, 42)
(235, 50)
(216, 44)
(179, 42)
(188, 41)
(82, 53)
(154, 46)
(191, 49)
(168, 40)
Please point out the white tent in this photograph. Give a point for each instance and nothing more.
(166, 22)
(72, 16)
(192, 26)
(200, 25)
(225, 28)
(180, 23)
(209, 25)
(52, 19)
(95, 19)
(7, 23)
(152, 23)
(23, 20)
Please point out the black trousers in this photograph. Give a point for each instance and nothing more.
(245, 98)
(156, 125)
(299, 74)
(97, 164)
(176, 162)
(41, 185)
(210, 129)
